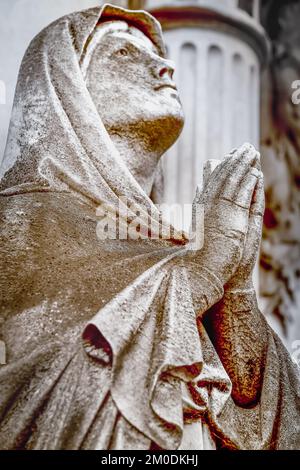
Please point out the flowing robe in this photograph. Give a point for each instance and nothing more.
(105, 349)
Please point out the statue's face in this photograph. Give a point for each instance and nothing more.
(131, 84)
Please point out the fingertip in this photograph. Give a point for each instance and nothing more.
(260, 179)
(232, 152)
(255, 172)
(247, 153)
(259, 194)
(249, 148)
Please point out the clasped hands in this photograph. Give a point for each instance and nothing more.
(233, 200)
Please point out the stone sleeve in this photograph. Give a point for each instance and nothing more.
(239, 334)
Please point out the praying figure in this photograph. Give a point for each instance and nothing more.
(143, 341)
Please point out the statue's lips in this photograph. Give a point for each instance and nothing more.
(166, 85)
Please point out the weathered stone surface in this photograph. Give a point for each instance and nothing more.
(125, 343)
(280, 257)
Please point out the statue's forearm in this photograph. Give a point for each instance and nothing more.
(239, 334)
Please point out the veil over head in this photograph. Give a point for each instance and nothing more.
(57, 140)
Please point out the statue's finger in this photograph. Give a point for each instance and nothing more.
(244, 195)
(230, 173)
(256, 215)
(258, 201)
(246, 154)
(232, 185)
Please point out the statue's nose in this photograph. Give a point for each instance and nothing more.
(167, 68)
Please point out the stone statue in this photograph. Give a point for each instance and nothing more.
(139, 342)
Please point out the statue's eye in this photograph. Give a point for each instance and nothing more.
(122, 52)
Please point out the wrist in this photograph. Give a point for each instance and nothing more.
(239, 284)
(206, 287)
(240, 299)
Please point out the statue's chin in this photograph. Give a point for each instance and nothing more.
(174, 124)
(162, 120)
(163, 128)
(173, 119)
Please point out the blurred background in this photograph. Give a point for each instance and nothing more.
(237, 67)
